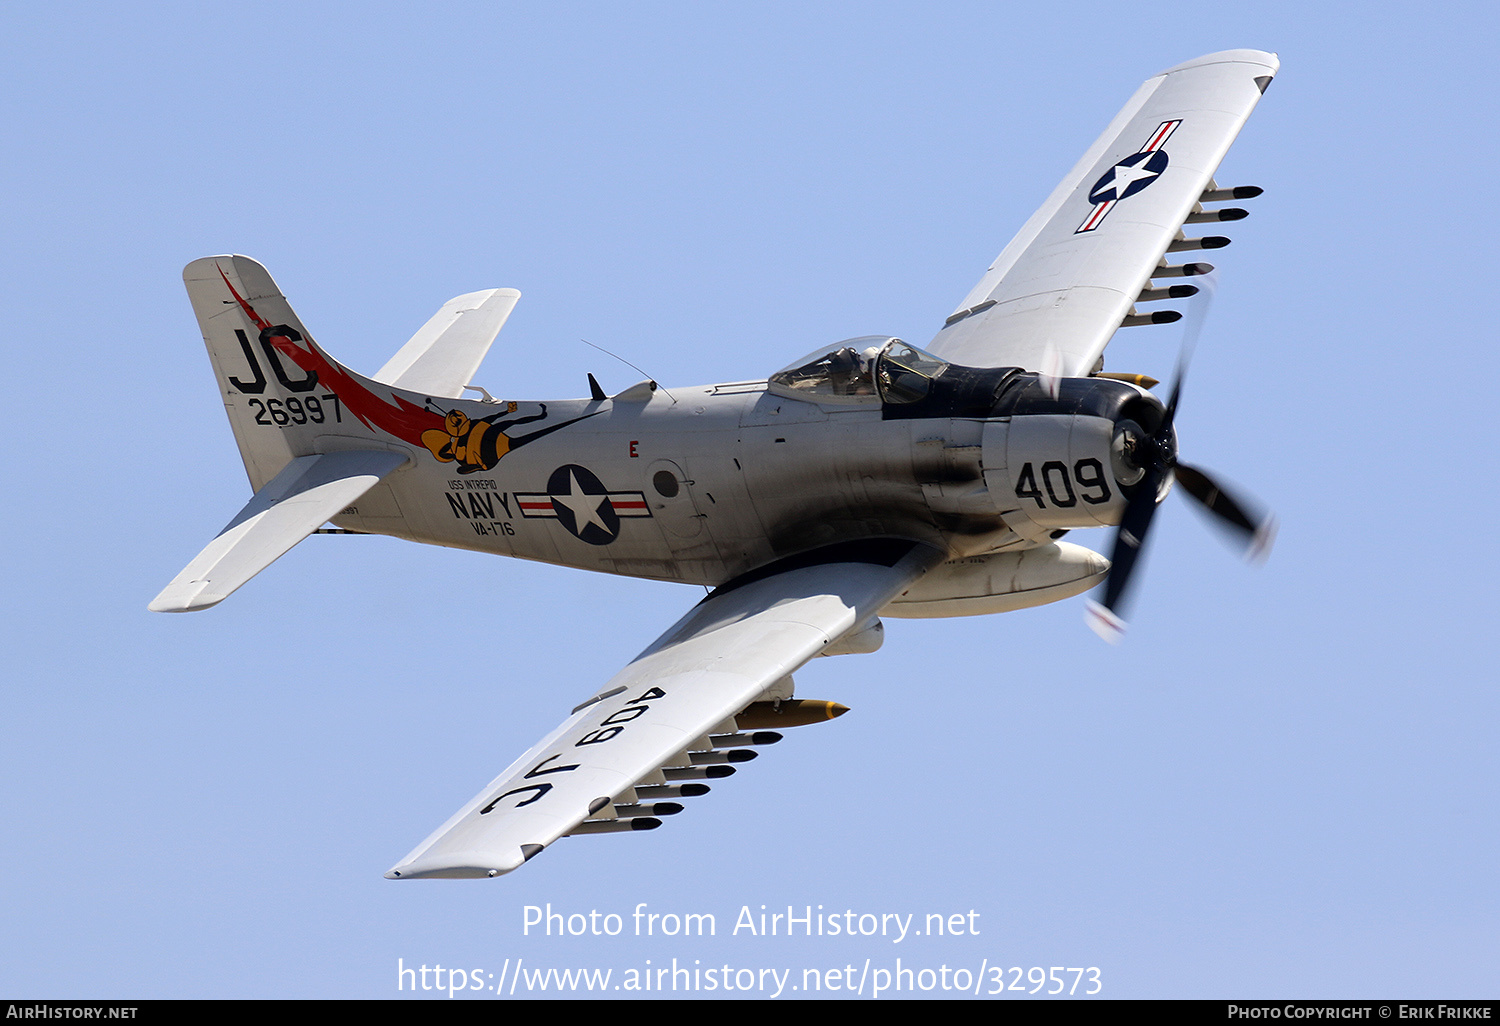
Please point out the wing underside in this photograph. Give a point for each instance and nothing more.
(1102, 242)
(674, 717)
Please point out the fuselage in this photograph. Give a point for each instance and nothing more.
(709, 482)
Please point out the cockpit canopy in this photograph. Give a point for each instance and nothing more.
(864, 370)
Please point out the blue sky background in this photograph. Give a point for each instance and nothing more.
(1282, 784)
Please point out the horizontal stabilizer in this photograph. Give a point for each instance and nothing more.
(291, 506)
(441, 358)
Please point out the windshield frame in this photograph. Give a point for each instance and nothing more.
(904, 374)
(841, 374)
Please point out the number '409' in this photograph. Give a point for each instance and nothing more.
(1057, 483)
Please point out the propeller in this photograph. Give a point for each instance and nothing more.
(1250, 527)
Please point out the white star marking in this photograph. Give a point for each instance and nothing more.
(585, 507)
(1125, 174)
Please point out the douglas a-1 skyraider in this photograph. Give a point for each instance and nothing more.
(872, 478)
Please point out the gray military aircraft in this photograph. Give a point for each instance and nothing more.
(871, 478)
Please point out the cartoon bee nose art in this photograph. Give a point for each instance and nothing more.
(477, 445)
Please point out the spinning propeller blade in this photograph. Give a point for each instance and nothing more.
(1252, 527)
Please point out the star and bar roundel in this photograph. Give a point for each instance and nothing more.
(579, 501)
(1129, 176)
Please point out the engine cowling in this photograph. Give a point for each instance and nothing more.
(1071, 460)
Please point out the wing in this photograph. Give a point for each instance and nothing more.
(655, 723)
(292, 505)
(441, 358)
(1070, 277)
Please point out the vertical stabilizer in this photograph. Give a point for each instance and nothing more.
(275, 407)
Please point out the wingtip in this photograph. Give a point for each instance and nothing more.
(1263, 58)
(177, 599)
(462, 865)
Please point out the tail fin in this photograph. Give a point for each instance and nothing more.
(314, 435)
(268, 398)
(285, 397)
